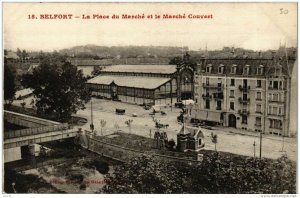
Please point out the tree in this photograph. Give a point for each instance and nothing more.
(129, 124)
(9, 84)
(59, 88)
(102, 124)
(214, 139)
(145, 175)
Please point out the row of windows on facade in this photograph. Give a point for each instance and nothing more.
(272, 110)
(273, 84)
(246, 69)
(275, 97)
(274, 123)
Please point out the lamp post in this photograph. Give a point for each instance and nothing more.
(254, 148)
(260, 145)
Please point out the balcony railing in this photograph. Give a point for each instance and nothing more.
(257, 124)
(244, 88)
(276, 101)
(204, 96)
(218, 108)
(218, 96)
(244, 112)
(213, 86)
(243, 101)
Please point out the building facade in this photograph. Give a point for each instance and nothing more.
(244, 93)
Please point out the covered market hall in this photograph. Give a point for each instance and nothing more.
(137, 84)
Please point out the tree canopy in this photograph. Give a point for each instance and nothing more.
(215, 174)
(59, 88)
(9, 84)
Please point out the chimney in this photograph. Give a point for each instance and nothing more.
(273, 54)
(259, 54)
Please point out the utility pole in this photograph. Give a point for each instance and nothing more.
(260, 145)
(254, 148)
(92, 125)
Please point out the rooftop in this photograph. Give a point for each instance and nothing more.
(130, 81)
(163, 69)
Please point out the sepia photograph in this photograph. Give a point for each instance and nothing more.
(149, 98)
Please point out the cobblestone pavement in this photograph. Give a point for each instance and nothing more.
(229, 139)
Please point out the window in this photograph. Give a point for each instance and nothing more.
(279, 111)
(280, 85)
(275, 85)
(271, 123)
(246, 70)
(258, 121)
(233, 69)
(208, 69)
(221, 69)
(270, 110)
(275, 97)
(258, 95)
(245, 96)
(258, 108)
(278, 71)
(245, 82)
(219, 105)
(270, 96)
(231, 94)
(258, 83)
(244, 119)
(207, 81)
(275, 110)
(231, 105)
(232, 82)
(207, 104)
(260, 70)
(200, 141)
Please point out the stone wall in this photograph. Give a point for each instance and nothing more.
(124, 154)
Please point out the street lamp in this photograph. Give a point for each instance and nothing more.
(254, 147)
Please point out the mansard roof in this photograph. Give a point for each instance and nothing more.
(269, 65)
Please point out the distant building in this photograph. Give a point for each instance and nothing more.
(245, 93)
(87, 66)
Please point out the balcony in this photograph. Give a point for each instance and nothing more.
(218, 96)
(276, 101)
(218, 108)
(244, 112)
(206, 96)
(243, 101)
(257, 124)
(244, 88)
(213, 86)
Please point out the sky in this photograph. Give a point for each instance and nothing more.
(256, 26)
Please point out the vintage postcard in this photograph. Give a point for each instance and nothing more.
(149, 98)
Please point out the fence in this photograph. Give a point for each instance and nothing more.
(34, 131)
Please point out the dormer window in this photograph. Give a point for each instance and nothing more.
(233, 69)
(260, 70)
(221, 69)
(246, 70)
(208, 68)
(278, 71)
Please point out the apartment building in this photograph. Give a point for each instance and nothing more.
(245, 93)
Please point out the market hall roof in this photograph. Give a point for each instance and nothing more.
(162, 69)
(90, 62)
(130, 81)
